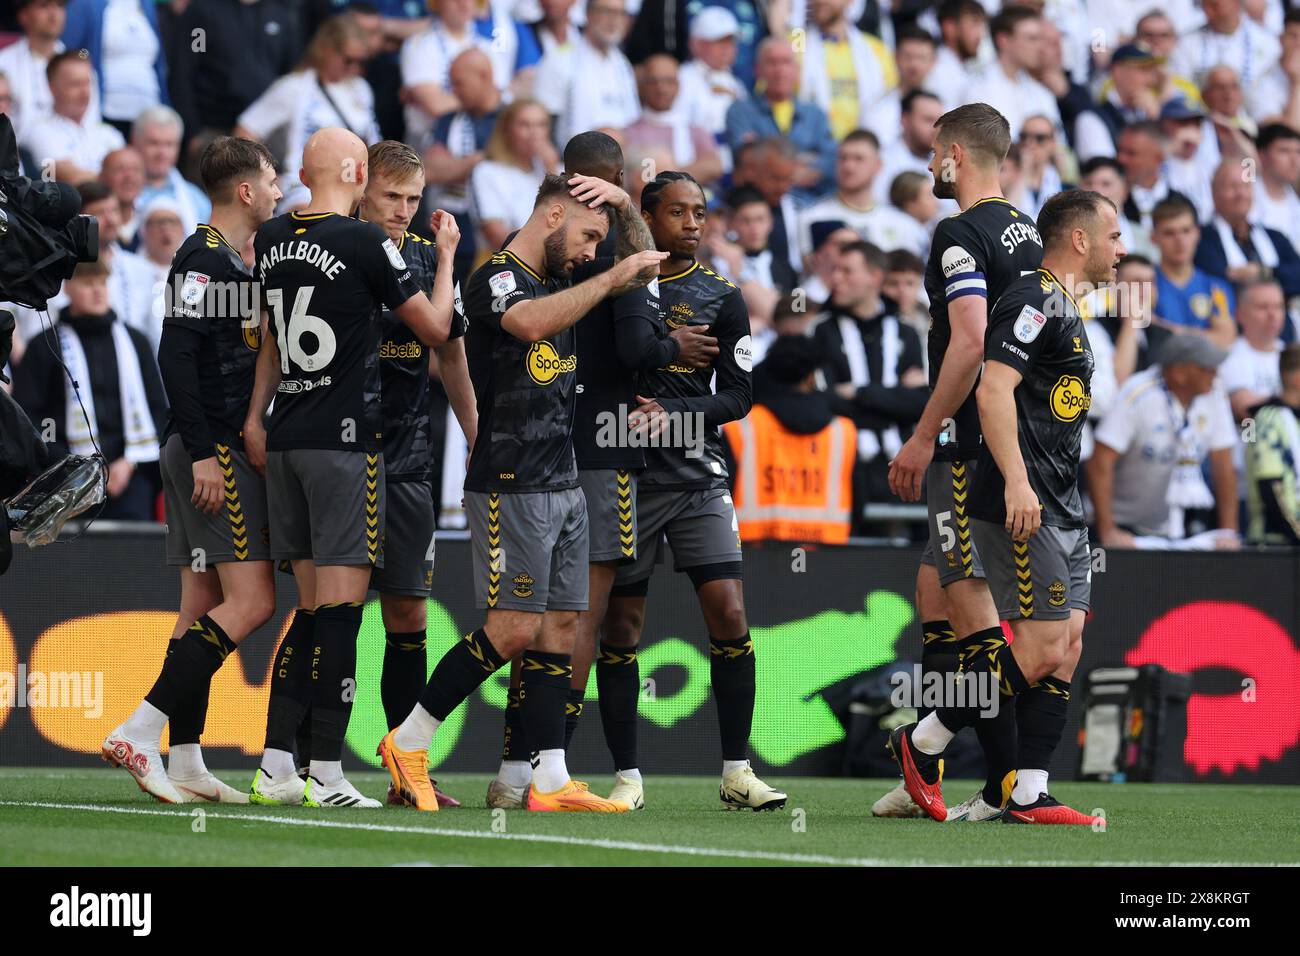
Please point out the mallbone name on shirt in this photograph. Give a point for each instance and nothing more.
(304, 250)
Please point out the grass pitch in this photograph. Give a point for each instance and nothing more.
(100, 818)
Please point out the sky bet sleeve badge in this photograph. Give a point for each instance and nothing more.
(502, 283)
(394, 256)
(196, 283)
(1029, 323)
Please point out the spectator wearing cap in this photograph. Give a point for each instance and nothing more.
(1250, 373)
(1104, 175)
(119, 386)
(665, 122)
(156, 135)
(1273, 461)
(791, 430)
(126, 51)
(1190, 157)
(326, 89)
(1277, 95)
(1006, 83)
(910, 150)
(1144, 475)
(774, 112)
(590, 85)
(857, 164)
(873, 363)
(1276, 204)
(963, 30)
(1132, 96)
(24, 63)
(1188, 299)
(1157, 31)
(843, 69)
(1228, 38)
(1235, 246)
(663, 26)
(914, 57)
(72, 137)
(708, 86)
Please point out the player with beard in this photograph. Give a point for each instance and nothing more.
(526, 511)
(1029, 525)
(683, 494)
(611, 347)
(974, 258)
(217, 523)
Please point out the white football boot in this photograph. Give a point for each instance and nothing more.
(629, 791)
(502, 796)
(286, 791)
(898, 803)
(142, 759)
(340, 793)
(206, 788)
(974, 809)
(741, 789)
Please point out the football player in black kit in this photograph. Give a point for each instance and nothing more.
(683, 492)
(609, 354)
(526, 511)
(324, 276)
(217, 534)
(1033, 400)
(392, 196)
(974, 256)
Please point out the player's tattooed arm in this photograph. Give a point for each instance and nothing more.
(535, 319)
(266, 379)
(632, 235)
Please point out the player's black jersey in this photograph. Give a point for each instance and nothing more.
(685, 458)
(977, 252)
(1036, 329)
(603, 384)
(323, 278)
(404, 372)
(525, 391)
(210, 291)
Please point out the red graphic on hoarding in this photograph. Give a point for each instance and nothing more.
(1230, 732)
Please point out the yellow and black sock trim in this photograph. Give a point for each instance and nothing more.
(535, 662)
(234, 510)
(481, 649)
(1024, 578)
(731, 650)
(494, 549)
(400, 645)
(626, 530)
(932, 634)
(1054, 686)
(615, 657)
(981, 643)
(573, 708)
(211, 633)
(372, 508)
(960, 489)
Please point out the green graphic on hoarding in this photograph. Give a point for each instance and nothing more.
(794, 661)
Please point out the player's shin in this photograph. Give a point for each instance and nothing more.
(186, 673)
(1040, 720)
(939, 655)
(290, 693)
(986, 658)
(333, 688)
(731, 670)
(546, 677)
(403, 676)
(618, 685)
(457, 675)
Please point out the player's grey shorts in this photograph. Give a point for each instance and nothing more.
(529, 550)
(1041, 579)
(238, 532)
(326, 505)
(611, 513)
(947, 486)
(408, 540)
(699, 524)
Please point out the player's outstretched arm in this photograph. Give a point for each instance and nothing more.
(535, 319)
(632, 234)
(968, 317)
(998, 422)
(266, 379)
(430, 324)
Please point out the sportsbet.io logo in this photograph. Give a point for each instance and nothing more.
(545, 365)
(1070, 398)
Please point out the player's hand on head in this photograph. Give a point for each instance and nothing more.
(907, 470)
(208, 487)
(596, 192)
(696, 348)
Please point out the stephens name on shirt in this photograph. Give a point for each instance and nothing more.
(1018, 232)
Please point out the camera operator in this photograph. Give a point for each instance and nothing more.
(120, 387)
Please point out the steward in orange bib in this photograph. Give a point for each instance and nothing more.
(793, 459)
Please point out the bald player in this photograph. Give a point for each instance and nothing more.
(325, 277)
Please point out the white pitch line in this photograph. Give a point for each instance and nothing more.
(625, 845)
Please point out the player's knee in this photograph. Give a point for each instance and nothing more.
(405, 617)
(729, 621)
(621, 627)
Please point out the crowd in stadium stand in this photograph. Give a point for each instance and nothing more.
(809, 122)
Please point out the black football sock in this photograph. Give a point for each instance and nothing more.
(459, 673)
(938, 656)
(186, 725)
(731, 669)
(544, 681)
(515, 741)
(188, 670)
(618, 685)
(291, 683)
(302, 739)
(986, 655)
(572, 714)
(404, 674)
(996, 732)
(334, 677)
(1040, 719)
